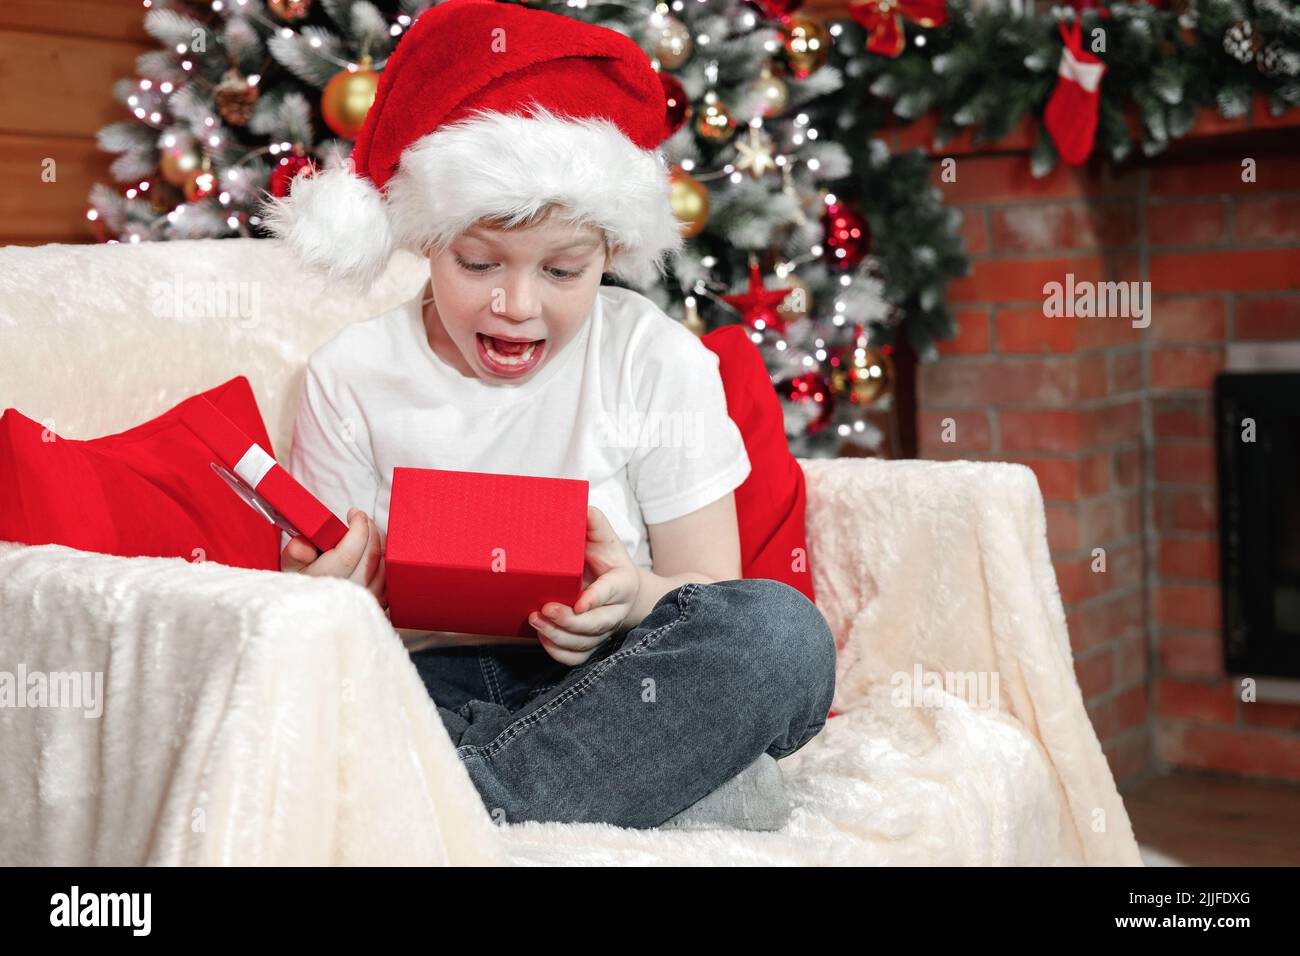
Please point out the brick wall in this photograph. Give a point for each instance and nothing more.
(1115, 420)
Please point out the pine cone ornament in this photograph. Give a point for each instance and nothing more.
(235, 97)
(1274, 62)
(1241, 42)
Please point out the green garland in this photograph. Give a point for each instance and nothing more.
(985, 71)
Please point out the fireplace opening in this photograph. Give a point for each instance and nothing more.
(1257, 438)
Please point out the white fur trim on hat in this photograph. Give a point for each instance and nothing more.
(488, 166)
(336, 223)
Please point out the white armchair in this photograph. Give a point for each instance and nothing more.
(256, 717)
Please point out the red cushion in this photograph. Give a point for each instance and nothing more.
(147, 491)
(770, 504)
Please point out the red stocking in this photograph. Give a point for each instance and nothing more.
(1071, 114)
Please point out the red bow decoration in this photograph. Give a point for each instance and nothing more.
(883, 20)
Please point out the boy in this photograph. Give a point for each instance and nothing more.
(525, 173)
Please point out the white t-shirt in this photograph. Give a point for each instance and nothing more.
(633, 404)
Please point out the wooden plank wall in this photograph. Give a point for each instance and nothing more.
(58, 62)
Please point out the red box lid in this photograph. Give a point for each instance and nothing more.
(455, 519)
(255, 476)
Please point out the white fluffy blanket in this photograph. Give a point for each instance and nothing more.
(253, 717)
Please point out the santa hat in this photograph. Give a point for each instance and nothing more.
(494, 111)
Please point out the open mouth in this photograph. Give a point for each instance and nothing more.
(507, 358)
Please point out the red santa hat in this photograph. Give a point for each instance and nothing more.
(489, 110)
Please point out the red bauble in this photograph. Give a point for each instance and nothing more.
(758, 303)
(288, 167)
(811, 387)
(677, 105)
(848, 237)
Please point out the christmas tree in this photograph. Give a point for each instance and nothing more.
(246, 94)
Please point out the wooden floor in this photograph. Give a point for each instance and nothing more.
(1206, 820)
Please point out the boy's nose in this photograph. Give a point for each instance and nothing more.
(517, 299)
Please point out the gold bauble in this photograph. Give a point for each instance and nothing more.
(714, 121)
(863, 375)
(690, 201)
(798, 303)
(290, 11)
(348, 97)
(771, 90)
(673, 43)
(807, 46)
(177, 162)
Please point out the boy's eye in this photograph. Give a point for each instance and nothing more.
(473, 266)
(563, 275)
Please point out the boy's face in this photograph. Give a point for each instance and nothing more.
(534, 284)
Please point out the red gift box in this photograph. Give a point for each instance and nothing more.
(474, 553)
(256, 477)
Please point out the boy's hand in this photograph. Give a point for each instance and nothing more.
(359, 556)
(571, 635)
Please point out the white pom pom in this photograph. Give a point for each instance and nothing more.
(336, 223)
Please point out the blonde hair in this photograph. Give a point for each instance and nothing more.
(526, 220)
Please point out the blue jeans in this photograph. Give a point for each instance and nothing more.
(656, 719)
